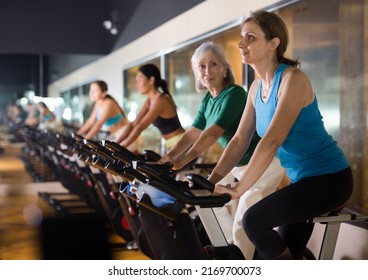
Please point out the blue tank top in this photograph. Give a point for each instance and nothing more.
(47, 118)
(308, 150)
(111, 121)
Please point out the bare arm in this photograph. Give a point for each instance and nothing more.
(184, 143)
(238, 145)
(88, 123)
(144, 119)
(204, 141)
(106, 113)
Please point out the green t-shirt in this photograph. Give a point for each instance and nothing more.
(225, 111)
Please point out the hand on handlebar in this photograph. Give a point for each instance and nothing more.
(178, 164)
(221, 189)
(165, 158)
(175, 163)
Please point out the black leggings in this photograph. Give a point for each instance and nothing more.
(290, 208)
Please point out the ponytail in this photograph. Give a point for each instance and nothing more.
(164, 87)
(151, 70)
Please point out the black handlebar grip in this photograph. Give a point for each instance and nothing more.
(151, 155)
(199, 182)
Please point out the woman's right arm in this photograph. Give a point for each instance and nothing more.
(131, 125)
(239, 143)
(189, 137)
(88, 124)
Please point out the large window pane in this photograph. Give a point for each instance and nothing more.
(78, 105)
(328, 36)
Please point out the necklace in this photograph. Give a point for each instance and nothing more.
(266, 89)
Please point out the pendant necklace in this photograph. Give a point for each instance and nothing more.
(265, 90)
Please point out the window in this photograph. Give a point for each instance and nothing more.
(77, 106)
(330, 39)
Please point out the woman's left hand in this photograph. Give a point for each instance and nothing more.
(164, 159)
(221, 189)
(178, 164)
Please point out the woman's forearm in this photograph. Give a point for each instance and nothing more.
(261, 159)
(131, 137)
(125, 133)
(229, 159)
(204, 142)
(85, 127)
(180, 147)
(93, 131)
(90, 135)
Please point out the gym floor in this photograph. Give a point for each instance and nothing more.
(21, 209)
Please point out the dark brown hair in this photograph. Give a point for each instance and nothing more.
(151, 70)
(104, 88)
(101, 84)
(273, 26)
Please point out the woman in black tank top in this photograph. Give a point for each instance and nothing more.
(159, 108)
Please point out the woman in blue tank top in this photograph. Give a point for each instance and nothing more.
(284, 111)
(107, 119)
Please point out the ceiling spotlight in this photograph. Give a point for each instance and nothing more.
(107, 24)
(113, 23)
(114, 30)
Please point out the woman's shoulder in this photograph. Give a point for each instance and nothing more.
(294, 78)
(161, 99)
(236, 87)
(109, 104)
(291, 72)
(107, 101)
(236, 90)
(296, 82)
(253, 88)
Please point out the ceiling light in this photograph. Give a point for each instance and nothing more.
(114, 30)
(112, 24)
(107, 24)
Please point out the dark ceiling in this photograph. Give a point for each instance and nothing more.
(34, 32)
(54, 27)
